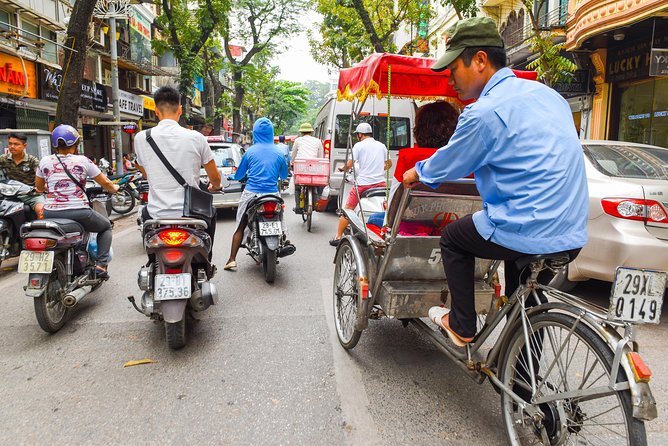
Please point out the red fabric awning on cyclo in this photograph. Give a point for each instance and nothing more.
(411, 78)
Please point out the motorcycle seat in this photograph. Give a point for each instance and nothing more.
(373, 192)
(67, 225)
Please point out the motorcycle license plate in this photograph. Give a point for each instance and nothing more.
(35, 262)
(270, 228)
(637, 295)
(172, 286)
(132, 186)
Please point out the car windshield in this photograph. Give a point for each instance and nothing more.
(224, 157)
(625, 161)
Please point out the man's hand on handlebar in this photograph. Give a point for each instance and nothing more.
(213, 188)
(113, 188)
(411, 178)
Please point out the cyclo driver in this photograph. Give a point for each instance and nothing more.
(305, 147)
(520, 142)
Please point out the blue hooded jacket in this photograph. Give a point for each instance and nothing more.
(263, 162)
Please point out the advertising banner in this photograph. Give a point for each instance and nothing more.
(131, 103)
(140, 37)
(93, 95)
(13, 79)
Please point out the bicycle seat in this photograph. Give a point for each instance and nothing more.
(554, 260)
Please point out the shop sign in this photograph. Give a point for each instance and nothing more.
(13, 79)
(658, 65)
(149, 103)
(632, 60)
(130, 128)
(140, 37)
(93, 95)
(578, 85)
(130, 103)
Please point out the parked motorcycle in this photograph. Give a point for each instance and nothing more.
(61, 270)
(266, 239)
(13, 213)
(125, 199)
(176, 279)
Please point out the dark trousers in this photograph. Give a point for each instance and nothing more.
(460, 245)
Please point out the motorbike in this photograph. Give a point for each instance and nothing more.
(176, 279)
(60, 268)
(125, 199)
(13, 213)
(266, 239)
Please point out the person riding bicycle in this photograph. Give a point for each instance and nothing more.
(63, 177)
(305, 147)
(21, 166)
(284, 148)
(372, 162)
(520, 142)
(262, 165)
(186, 150)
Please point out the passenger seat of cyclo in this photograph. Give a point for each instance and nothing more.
(407, 159)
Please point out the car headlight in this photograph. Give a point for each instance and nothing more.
(9, 190)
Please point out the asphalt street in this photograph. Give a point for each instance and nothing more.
(263, 367)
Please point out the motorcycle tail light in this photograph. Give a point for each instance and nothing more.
(173, 256)
(269, 209)
(635, 209)
(327, 145)
(172, 270)
(174, 237)
(641, 372)
(39, 244)
(143, 196)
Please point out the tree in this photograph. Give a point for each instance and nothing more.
(187, 26)
(75, 47)
(256, 25)
(287, 103)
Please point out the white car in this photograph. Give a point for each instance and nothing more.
(628, 211)
(227, 156)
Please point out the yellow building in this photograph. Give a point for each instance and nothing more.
(627, 43)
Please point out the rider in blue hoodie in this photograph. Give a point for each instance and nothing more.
(263, 164)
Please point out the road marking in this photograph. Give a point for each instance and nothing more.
(360, 428)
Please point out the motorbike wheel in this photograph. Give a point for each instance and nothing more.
(122, 202)
(269, 265)
(309, 209)
(175, 332)
(49, 309)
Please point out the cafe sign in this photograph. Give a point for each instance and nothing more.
(93, 95)
(15, 81)
(634, 59)
(131, 103)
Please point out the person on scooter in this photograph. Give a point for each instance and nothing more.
(519, 140)
(262, 164)
(21, 166)
(372, 160)
(186, 150)
(305, 147)
(63, 177)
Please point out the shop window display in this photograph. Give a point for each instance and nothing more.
(643, 113)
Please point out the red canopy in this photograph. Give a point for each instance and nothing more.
(412, 77)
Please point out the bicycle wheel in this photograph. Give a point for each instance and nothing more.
(123, 201)
(309, 208)
(565, 359)
(346, 295)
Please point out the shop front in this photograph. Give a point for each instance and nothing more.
(18, 89)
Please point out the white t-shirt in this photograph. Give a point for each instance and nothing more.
(61, 191)
(307, 147)
(370, 156)
(186, 150)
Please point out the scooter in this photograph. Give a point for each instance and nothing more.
(176, 279)
(266, 238)
(61, 271)
(13, 213)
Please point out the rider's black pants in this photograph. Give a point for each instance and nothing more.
(460, 245)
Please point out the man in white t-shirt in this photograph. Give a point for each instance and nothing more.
(372, 162)
(186, 150)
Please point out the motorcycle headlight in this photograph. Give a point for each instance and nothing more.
(9, 190)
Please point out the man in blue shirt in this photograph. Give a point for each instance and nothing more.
(263, 164)
(520, 142)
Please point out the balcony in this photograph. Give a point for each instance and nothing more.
(519, 30)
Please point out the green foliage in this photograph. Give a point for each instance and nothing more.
(550, 65)
(464, 8)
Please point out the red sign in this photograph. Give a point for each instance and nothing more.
(130, 128)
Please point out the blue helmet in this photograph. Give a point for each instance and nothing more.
(65, 133)
(281, 138)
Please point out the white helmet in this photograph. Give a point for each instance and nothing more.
(364, 127)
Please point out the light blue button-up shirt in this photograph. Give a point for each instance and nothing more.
(519, 140)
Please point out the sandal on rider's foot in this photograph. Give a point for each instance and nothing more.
(101, 272)
(230, 265)
(436, 315)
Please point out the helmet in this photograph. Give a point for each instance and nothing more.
(306, 128)
(65, 133)
(281, 138)
(364, 127)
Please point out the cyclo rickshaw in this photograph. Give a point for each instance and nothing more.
(568, 371)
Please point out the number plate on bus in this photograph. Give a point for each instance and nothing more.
(637, 295)
(270, 228)
(172, 286)
(35, 262)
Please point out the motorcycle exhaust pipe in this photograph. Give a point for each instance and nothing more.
(75, 296)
